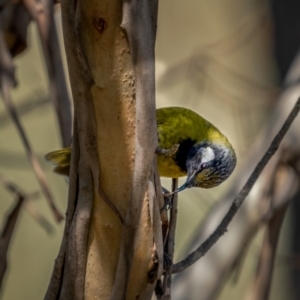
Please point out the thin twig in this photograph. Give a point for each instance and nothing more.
(6, 235)
(222, 228)
(171, 242)
(28, 204)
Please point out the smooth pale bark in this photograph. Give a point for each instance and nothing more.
(113, 232)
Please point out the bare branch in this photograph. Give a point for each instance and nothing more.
(284, 187)
(28, 204)
(6, 235)
(112, 112)
(42, 12)
(222, 228)
(6, 81)
(170, 243)
(260, 288)
(37, 216)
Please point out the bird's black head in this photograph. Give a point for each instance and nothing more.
(208, 165)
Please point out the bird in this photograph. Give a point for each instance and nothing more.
(202, 153)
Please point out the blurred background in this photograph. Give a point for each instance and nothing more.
(228, 61)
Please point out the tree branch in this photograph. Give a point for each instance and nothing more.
(170, 242)
(6, 235)
(43, 14)
(28, 204)
(112, 79)
(7, 79)
(222, 228)
(260, 288)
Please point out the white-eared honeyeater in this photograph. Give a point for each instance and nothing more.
(204, 155)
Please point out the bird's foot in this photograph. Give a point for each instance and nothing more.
(168, 200)
(167, 152)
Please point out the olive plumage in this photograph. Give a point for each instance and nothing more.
(204, 155)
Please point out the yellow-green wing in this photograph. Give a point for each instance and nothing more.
(61, 159)
(178, 125)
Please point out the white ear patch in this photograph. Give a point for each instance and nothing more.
(208, 154)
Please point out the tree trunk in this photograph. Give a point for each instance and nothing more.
(112, 246)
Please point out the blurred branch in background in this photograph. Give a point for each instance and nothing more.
(263, 204)
(43, 14)
(37, 100)
(15, 19)
(222, 228)
(22, 199)
(7, 80)
(7, 234)
(13, 42)
(28, 204)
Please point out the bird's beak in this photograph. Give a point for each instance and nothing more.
(187, 184)
(182, 188)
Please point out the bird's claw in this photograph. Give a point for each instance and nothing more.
(168, 200)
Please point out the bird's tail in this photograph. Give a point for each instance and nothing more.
(61, 159)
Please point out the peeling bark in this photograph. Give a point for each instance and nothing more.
(113, 236)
